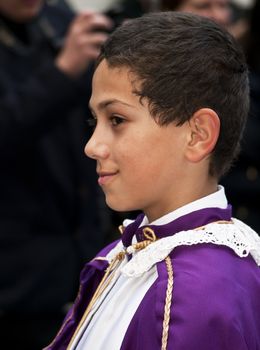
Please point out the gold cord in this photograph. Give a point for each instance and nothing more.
(121, 229)
(101, 287)
(149, 234)
(214, 222)
(168, 302)
(109, 274)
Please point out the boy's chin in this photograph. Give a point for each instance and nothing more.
(119, 206)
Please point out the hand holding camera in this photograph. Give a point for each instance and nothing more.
(82, 44)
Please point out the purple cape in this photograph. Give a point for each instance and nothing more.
(215, 298)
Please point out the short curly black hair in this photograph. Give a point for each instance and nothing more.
(186, 62)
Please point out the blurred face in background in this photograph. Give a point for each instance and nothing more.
(20, 10)
(218, 10)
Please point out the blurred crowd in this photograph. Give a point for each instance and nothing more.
(52, 214)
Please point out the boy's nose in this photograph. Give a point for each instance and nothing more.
(96, 149)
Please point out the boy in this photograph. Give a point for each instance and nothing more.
(169, 100)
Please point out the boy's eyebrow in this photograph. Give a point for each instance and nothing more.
(106, 103)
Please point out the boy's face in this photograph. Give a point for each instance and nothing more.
(140, 164)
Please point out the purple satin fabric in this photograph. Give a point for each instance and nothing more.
(215, 303)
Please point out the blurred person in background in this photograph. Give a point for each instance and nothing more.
(218, 10)
(243, 181)
(225, 12)
(49, 205)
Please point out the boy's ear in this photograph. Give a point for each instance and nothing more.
(204, 127)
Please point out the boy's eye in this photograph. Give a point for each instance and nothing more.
(116, 120)
(92, 122)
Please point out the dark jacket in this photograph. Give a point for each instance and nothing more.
(48, 193)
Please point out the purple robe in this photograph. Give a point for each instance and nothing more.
(215, 299)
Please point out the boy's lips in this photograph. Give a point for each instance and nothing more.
(105, 177)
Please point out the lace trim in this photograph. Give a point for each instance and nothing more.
(236, 235)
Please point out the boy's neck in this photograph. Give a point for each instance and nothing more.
(216, 200)
(188, 194)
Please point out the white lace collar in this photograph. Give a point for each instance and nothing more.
(236, 235)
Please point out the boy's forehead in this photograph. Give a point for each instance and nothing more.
(112, 84)
(108, 72)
